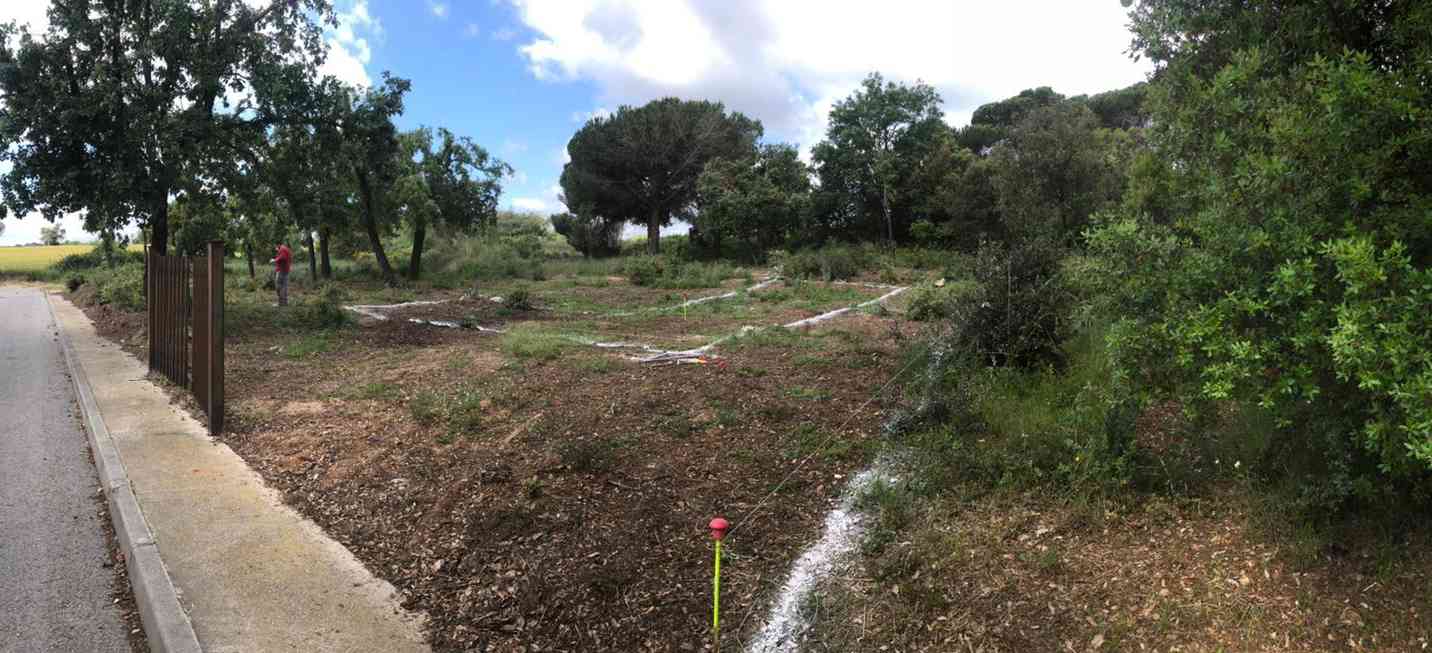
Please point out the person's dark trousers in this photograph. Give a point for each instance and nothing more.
(280, 284)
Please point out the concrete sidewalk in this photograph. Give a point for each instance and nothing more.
(252, 574)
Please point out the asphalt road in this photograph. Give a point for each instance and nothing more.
(55, 593)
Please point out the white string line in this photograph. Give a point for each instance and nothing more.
(751, 514)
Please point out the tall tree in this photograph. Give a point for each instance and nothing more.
(121, 104)
(447, 179)
(1056, 168)
(757, 202)
(873, 146)
(641, 164)
(371, 152)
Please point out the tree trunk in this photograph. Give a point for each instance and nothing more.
(370, 225)
(653, 234)
(415, 264)
(889, 222)
(249, 254)
(327, 268)
(159, 225)
(312, 257)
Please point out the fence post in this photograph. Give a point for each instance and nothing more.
(149, 301)
(215, 291)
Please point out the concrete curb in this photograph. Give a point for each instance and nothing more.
(166, 625)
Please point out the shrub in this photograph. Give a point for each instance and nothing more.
(327, 310)
(122, 287)
(520, 299)
(930, 302)
(465, 414)
(74, 281)
(643, 270)
(585, 456)
(829, 263)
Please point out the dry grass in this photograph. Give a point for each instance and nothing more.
(1030, 572)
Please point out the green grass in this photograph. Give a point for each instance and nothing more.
(375, 391)
(808, 394)
(308, 345)
(528, 343)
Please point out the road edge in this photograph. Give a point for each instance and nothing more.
(166, 625)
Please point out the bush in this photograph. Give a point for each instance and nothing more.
(122, 287)
(829, 263)
(643, 270)
(95, 258)
(930, 302)
(326, 311)
(520, 299)
(585, 456)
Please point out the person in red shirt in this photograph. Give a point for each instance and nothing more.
(282, 262)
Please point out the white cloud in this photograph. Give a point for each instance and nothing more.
(512, 146)
(505, 34)
(561, 156)
(30, 13)
(582, 117)
(529, 204)
(439, 9)
(472, 31)
(517, 178)
(348, 48)
(786, 62)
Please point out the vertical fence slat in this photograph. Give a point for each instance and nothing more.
(215, 337)
(184, 307)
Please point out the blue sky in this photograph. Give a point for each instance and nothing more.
(520, 76)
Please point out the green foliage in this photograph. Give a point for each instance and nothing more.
(664, 272)
(829, 263)
(518, 299)
(750, 206)
(425, 407)
(876, 141)
(585, 456)
(465, 413)
(52, 235)
(533, 344)
(929, 302)
(1290, 210)
(90, 125)
(642, 163)
(643, 270)
(591, 235)
(96, 258)
(122, 286)
(1055, 170)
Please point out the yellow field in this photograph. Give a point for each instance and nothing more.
(35, 259)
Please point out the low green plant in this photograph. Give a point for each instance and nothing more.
(465, 413)
(425, 407)
(376, 391)
(585, 456)
(308, 345)
(518, 299)
(531, 343)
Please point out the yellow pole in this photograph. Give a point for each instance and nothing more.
(716, 600)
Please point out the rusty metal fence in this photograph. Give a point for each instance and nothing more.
(185, 301)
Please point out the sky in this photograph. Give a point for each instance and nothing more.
(521, 76)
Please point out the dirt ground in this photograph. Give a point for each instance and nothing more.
(532, 493)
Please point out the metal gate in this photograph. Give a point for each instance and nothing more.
(185, 301)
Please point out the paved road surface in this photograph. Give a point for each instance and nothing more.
(55, 594)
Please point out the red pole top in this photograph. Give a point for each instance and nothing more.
(718, 528)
